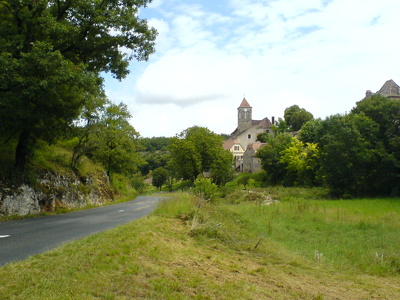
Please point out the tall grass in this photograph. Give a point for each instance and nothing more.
(354, 235)
(360, 236)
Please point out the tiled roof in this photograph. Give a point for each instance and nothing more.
(256, 145)
(235, 133)
(390, 88)
(264, 123)
(229, 144)
(245, 103)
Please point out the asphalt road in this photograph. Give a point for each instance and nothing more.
(20, 239)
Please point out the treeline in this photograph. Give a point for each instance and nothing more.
(190, 155)
(354, 155)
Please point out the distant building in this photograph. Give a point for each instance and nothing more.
(251, 163)
(237, 151)
(245, 136)
(248, 129)
(390, 90)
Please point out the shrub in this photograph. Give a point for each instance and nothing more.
(205, 188)
(138, 183)
(260, 179)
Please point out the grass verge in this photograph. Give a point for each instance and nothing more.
(191, 249)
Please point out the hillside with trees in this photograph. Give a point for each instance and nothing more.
(52, 103)
(52, 56)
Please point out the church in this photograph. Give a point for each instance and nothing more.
(243, 140)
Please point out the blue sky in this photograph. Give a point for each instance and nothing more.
(319, 54)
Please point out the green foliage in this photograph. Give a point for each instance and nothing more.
(197, 150)
(81, 134)
(221, 167)
(160, 177)
(260, 178)
(308, 132)
(116, 141)
(51, 58)
(279, 127)
(123, 185)
(137, 182)
(6, 160)
(359, 152)
(295, 117)
(154, 160)
(205, 188)
(385, 137)
(155, 153)
(244, 179)
(183, 185)
(155, 143)
(270, 156)
(353, 160)
(52, 158)
(302, 162)
(185, 161)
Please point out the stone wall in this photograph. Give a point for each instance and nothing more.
(52, 191)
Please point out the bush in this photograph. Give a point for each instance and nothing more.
(244, 179)
(260, 179)
(138, 183)
(205, 188)
(122, 185)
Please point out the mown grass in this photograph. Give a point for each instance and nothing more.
(192, 249)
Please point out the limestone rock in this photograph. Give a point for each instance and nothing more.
(55, 190)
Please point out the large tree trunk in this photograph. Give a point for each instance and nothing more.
(22, 152)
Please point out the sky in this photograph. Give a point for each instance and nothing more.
(319, 54)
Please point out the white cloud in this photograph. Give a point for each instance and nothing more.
(321, 55)
(190, 77)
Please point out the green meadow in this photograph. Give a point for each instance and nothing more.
(263, 244)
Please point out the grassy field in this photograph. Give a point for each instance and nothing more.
(301, 247)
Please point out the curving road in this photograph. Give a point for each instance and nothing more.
(22, 238)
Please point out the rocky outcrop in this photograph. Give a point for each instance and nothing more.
(53, 191)
(21, 202)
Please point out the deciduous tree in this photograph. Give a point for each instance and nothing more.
(270, 156)
(198, 150)
(51, 55)
(116, 141)
(295, 117)
(160, 177)
(302, 162)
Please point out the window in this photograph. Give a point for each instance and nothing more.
(267, 131)
(236, 148)
(249, 136)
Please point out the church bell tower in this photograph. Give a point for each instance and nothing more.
(244, 116)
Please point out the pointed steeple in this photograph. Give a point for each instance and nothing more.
(244, 115)
(245, 104)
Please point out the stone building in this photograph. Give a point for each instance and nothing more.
(252, 164)
(390, 90)
(248, 129)
(244, 137)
